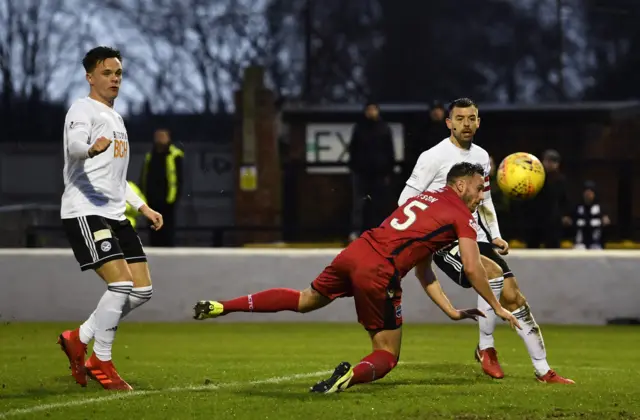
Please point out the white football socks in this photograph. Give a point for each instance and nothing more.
(532, 337)
(107, 317)
(488, 325)
(137, 297)
(88, 329)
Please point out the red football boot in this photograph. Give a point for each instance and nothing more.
(105, 373)
(552, 377)
(75, 350)
(488, 358)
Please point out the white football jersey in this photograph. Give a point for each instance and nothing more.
(433, 165)
(95, 186)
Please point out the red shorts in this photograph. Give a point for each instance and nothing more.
(361, 272)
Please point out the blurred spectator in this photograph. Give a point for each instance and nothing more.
(545, 212)
(161, 182)
(437, 128)
(371, 161)
(588, 220)
(432, 129)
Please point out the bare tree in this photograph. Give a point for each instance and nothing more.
(321, 49)
(36, 40)
(195, 50)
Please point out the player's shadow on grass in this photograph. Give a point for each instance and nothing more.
(433, 374)
(63, 385)
(301, 392)
(448, 373)
(42, 392)
(461, 370)
(60, 385)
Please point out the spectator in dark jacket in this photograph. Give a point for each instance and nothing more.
(428, 132)
(546, 211)
(437, 128)
(588, 220)
(161, 182)
(371, 161)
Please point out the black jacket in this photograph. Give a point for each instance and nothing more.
(371, 149)
(550, 204)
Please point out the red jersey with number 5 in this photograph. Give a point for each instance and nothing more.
(420, 227)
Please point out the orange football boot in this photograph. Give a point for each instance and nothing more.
(105, 373)
(75, 350)
(488, 358)
(552, 377)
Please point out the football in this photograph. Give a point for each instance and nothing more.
(521, 176)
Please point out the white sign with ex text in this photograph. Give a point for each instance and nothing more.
(328, 144)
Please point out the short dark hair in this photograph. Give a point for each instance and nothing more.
(98, 55)
(436, 104)
(552, 155)
(463, 169)
(461, 103)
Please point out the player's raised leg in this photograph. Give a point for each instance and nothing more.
(513, 300)
(330, 284)
(266, 301)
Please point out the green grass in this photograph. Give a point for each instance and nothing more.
(218, 370)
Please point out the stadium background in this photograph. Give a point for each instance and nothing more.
(570, 87)
(273, 87)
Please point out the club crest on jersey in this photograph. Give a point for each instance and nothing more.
(105, 246)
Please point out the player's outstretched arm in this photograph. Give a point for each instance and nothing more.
(133, 198)
(477, 275)
(488, 215)
(431, 285)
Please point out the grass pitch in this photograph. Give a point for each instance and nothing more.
(213, 370)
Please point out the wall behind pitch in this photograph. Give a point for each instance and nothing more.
(565, 287)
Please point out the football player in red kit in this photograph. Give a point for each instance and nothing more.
(370, 270)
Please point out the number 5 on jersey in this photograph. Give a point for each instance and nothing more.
(120, 148)
(410, 213)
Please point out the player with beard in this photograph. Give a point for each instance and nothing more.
(430, 173)
(371, 269)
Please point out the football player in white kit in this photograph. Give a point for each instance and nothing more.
(430, 173)
(96, 159)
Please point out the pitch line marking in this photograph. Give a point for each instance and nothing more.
(212, 387)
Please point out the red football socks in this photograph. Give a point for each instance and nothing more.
(272, 300)
(373, 367)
